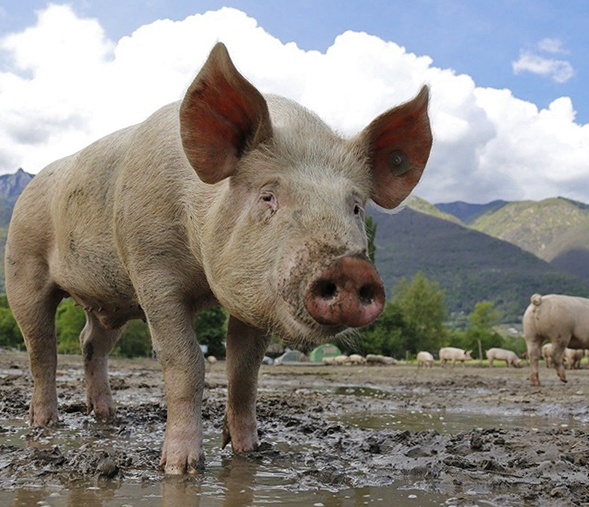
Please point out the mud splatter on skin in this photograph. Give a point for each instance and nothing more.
(305, 429)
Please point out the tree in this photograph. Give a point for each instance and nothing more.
(480, 327)
(69, 322)
(422, 305)
(384, 336)
(135, 340)
(211, 329)
(10, 335)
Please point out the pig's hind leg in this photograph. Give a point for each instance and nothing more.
(246, 347)
(96, 343)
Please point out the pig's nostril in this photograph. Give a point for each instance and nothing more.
(325, 289)
(367, 294)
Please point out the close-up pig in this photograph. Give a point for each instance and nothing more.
(227, 197)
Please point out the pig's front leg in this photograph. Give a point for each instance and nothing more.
(246, 347)
(183, 365)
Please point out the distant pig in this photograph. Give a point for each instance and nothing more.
(356, 359)
(454, 354)
(497, 354)
(228, 197)
(563, 320)
(573, 358)
(547, 350)
(425, 360)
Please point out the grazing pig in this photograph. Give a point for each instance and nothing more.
(380, 359)
(564, 320)
(573, 358)
(228, 197)
(425, 359)
(497, 354)
(453, 354)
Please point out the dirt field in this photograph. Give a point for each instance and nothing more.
(469, 433)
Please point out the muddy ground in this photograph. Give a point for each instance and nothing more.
(325, 426)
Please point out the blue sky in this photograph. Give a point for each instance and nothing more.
(508, 77)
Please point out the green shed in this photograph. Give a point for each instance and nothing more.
(325, 350)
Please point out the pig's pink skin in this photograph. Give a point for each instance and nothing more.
(563, 321)
(228, 197)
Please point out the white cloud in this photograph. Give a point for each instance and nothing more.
(559, 71)
(552, 46)
(67, 85)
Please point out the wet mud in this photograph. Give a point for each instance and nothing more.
(464, 435)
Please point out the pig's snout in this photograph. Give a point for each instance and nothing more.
(349, 292)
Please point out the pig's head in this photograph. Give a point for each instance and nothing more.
(284, 243)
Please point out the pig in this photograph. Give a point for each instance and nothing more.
(227, 197)
(508, 356)
(425, 359)
(340, 360)
(561, 319)
(547, 350)
(573, 358)
(380, 359)
(356, 359)
(454, 354)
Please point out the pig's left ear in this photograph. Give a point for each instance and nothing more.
(398, 144)
(222, 116)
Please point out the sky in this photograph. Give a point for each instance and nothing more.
(508, 78)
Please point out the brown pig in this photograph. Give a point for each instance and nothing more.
(228, 197)
(563, 320)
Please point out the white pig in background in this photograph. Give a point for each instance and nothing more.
(454, 354)
(564, 320)
(425, 359)
(498, 354)
(228, 197)
(573, 358)
(547, 350)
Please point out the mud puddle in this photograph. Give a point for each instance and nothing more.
(331, 437)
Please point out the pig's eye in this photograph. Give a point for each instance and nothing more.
(269, 202)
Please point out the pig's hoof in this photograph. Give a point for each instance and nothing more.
(193, 467)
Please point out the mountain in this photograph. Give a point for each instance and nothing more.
(469, 266)
(468, 213)
(11, 186)
(555, 230)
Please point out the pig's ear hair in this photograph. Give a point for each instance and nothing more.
(222, 116)
(398, 144)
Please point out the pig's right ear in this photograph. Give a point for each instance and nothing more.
(222, 115)
(398, 144)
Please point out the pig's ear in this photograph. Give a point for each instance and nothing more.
(398, 144)
(222, 116)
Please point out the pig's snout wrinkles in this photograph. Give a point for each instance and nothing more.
(349, 292)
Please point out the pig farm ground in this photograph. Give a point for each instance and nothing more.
(466, 435)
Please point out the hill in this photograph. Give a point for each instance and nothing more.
(555, 230)
(468, 213)
(468, 265)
